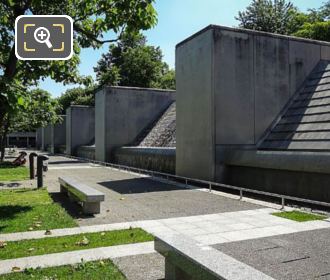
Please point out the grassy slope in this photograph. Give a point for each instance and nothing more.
(25, 209)
(49, 245)
(83, 271)
(300, 216)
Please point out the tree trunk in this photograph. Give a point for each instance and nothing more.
(4, 122)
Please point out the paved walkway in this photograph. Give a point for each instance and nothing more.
(164, 208)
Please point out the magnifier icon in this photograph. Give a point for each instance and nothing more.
(41, 35)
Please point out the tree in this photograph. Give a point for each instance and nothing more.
(92, 19)
(131, 62)
(282, 17)
(269, 16)
(40, 110)
(76, 96)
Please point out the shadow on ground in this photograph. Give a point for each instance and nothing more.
(73, 208)
(10, 185)
(138, 185)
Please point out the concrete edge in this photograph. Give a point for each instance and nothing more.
(208, 259)
(74, 257)
(252, 32)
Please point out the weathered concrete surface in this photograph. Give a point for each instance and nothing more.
(39, 138)
(46, 137)
(298, 256)
(154, 158)
(231, 86)
(80, 127)
(86, 152)
(58, 135)
(122, 113)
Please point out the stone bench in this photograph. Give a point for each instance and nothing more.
(87, 196)
(187, 259)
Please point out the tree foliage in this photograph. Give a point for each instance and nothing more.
(92, 21)
(76, 96)
(40, 109)
(282, 17)
(131, 62)
(269, 16)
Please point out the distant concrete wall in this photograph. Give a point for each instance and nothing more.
(80, 127)
(58, 135)
(46, 137)
(122, 113)
(157, 159)
(231, 86)
(39, 138)
(86, 152)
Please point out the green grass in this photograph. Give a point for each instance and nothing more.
(82, 271)
(26, 210)
(24, 248)
(10, 173)
(299, 216)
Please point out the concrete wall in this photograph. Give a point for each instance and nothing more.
(58, 135)
(157, 159)
(80, 127)
(86, 152)
(46, 137)
(231, 86)
(39, 138)
(122, 113)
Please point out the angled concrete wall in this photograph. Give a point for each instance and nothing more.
(122, 113)
(231, 86)
(80, 127)
(38, 138)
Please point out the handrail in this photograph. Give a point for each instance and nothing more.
(210, 184)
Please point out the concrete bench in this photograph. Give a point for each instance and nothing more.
(87, 196)
(187, 259)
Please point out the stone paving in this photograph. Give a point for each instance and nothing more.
(237, 228)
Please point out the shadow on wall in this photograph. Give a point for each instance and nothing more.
(138, 185)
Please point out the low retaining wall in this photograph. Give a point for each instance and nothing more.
(86, 152)
(300, 174)
(157, 159)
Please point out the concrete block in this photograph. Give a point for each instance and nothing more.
(123, 113)
(58, 135)
(195, 118)
(233, 87)
(80, 127)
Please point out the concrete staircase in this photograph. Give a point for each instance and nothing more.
(305, 125)
(162, 134)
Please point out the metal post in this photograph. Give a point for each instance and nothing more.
(210, 187)
(240, 194)
(31, 163)
(40, 163)
(283, 203)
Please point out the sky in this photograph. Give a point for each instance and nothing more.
(177, 20)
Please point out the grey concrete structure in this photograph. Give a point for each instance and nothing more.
(232, 85)
(80, 127)
(185, 259)
(46, 137)
(151, 158)
(122, 113)
(58, 135)
(86, 152)
(39, 138)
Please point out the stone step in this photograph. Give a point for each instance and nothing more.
(300, 136)
(308, 111)
(302, 127)
(305, 119)
(296, 145)
(311, 102)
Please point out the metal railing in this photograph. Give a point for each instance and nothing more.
(209, 184)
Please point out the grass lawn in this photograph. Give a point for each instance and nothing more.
(12, 173)
(26, 210)
(82, 271)
(17, 249)
(299, 216)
